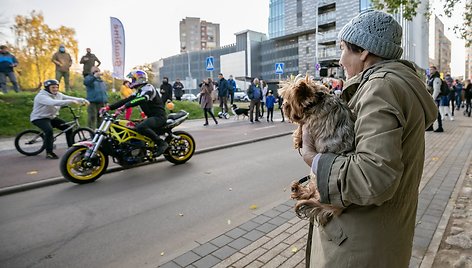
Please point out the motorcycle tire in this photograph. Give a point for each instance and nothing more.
(72, 169)
(82, 134)
(30, 142)
(180, 150)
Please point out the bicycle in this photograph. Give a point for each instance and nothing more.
(31, 142)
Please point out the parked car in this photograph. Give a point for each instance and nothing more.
(189, 97)
(240, 95)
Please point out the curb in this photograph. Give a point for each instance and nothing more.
(58, 180)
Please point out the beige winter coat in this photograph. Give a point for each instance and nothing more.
(377, 184)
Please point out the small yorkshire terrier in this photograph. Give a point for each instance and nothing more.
(329, 124)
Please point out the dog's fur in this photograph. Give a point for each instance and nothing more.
(329, 124)
(239, 111)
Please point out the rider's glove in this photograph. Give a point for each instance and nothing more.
(119, 110)
(103, 110)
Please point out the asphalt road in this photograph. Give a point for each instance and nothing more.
(146, 216)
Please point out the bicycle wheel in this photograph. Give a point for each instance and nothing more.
(82, 134)
(30, 142)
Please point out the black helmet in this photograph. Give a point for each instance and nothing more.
(50, 82)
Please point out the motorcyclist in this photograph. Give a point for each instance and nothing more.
(151, 104)
(45, 110)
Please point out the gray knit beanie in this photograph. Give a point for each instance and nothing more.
(375, 31)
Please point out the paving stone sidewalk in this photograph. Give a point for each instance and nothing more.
(277, 238)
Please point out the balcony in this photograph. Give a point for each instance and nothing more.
(326, 21)
(327, 54)
(327, 38)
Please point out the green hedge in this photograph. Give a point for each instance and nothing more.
(15, 110)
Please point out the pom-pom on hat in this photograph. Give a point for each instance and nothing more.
(375, 31)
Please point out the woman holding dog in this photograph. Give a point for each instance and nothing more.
(377, 184)
(206, 100)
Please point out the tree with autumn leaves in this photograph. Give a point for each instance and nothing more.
(35, 43)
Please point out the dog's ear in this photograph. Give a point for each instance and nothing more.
(304, 93)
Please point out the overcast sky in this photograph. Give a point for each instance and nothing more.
(152, 26)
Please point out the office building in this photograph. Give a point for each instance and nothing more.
(440, 46)
(197, 35)
(302, 35)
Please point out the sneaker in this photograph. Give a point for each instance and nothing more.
(52, 156)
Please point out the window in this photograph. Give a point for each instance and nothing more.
(307, 50)
(299, 12)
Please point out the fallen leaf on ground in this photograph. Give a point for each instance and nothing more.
(435, 158)
(229, 222)
(32, 172)
(162, 253)
(181, 214)
(294, 249)
(253, 207)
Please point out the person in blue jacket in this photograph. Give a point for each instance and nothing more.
(97, 96)
(7, 63)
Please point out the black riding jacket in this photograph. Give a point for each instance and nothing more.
(148, 99)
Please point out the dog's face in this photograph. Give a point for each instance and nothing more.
(234, 106)
(300, 95)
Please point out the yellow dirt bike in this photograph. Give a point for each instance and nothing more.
(86, 161)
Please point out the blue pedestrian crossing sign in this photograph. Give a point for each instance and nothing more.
(209, 64)
(279, 68)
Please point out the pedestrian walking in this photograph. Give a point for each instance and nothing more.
(206, 100)
(435, 84)
(63, 62)
(377, 184)
(178, 89)
(89, 60)
(125, 92)
(270, 103)
(223, 92)
(7, 62)
(97, 96)
(458, 93)
(231, 88)
(46, 107)
(265, 89)
(254, 94)
(280, 102)
(166, 90)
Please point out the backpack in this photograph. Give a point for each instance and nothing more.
(444, 88)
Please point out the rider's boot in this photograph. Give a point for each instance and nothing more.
(160, 147)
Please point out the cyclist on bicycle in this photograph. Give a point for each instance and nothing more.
(148, 98)
(45, 110)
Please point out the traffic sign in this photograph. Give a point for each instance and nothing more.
(279, 68)
(210, 64)
(317, 66)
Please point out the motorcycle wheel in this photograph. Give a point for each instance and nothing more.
(73, 169)
(180, 150)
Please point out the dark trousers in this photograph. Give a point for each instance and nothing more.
(231, 97)
(207, 111)
(148, 126)
(47, 125)
(257, 104)
(439, 116)
(270, 112)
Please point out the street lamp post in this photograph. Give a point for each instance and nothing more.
(317, 71)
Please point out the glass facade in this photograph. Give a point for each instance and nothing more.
(276, 18)
(364, 5)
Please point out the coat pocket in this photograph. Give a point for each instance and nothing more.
(334, 232)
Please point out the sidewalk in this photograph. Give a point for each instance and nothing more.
(277, 238)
